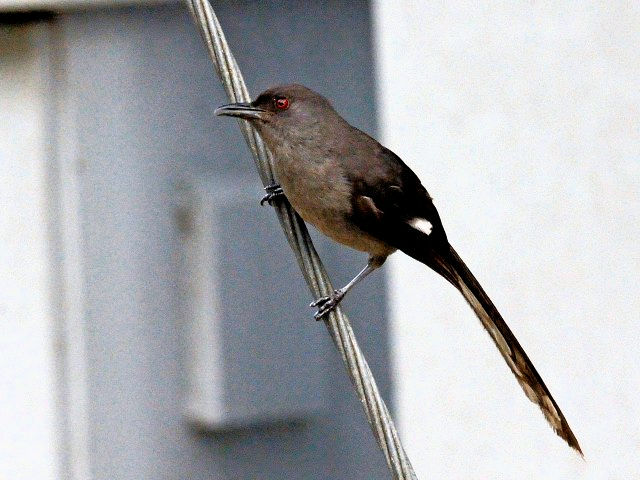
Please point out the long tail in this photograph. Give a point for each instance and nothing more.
(451, 267)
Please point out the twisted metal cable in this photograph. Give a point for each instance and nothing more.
(300, 241)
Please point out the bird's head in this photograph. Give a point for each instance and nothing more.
(282, 110)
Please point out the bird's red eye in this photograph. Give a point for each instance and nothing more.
(282, 103)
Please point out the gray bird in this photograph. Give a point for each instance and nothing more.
(363, 195)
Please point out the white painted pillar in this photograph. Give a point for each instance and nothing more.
(522, 120)
(28, 417)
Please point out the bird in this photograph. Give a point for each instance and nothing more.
(362, 195)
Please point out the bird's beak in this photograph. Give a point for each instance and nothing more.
(241, 110)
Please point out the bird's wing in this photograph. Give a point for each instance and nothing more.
(392, 207)
(387, 193)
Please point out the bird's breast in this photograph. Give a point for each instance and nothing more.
(320, 192)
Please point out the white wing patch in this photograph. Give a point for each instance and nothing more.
(423, 225)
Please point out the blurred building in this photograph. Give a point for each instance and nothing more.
(153, 322)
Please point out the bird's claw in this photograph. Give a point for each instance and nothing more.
(273, 191)
(327, 304)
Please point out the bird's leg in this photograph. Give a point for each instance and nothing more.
(273, 191)
(330, 302)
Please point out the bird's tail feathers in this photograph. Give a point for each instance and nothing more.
(445, 261)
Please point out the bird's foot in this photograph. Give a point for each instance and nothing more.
(273, 191)
(327, 304)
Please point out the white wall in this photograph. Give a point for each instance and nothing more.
(522, 119)
(27, 357)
